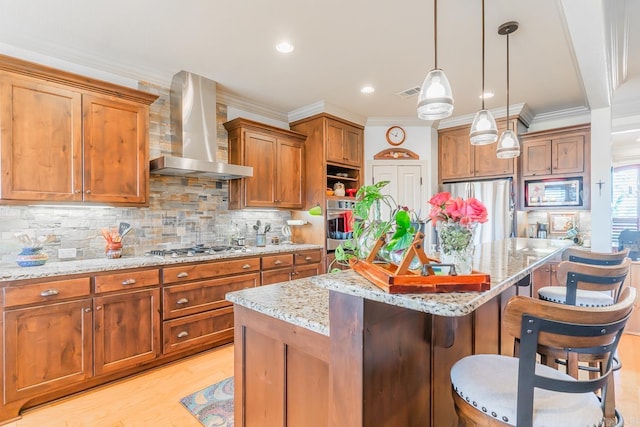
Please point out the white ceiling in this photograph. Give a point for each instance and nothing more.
(343, 45)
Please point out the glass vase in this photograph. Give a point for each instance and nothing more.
(457, 245)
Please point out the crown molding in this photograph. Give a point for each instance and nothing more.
(400, 121)
(325, 107)
(231, 99)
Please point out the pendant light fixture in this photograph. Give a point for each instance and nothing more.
(435, 101)
(508, 144)
(484, 129)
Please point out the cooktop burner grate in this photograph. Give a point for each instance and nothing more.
(194, 250)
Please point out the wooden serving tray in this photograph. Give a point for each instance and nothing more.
(398, 279)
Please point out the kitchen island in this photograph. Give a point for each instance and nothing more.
(335, 350)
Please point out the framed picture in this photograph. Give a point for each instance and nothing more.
(558, 222)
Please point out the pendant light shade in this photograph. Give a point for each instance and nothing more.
(508, 144)
(483, 129)
(435, 101)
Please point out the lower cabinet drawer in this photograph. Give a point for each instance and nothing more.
(197, 330)
(204, 295)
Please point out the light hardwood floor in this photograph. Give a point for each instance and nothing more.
(153, 398)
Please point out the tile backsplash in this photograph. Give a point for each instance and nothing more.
(182, 211)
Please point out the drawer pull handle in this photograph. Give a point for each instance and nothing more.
(129, 282)
(244, 267)
(49, 293)
(183, 274)
(183, 334)
(308, 258)
(278, 262)
(182, 301)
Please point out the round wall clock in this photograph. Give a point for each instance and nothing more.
(396, 135)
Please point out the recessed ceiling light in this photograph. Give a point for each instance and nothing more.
(367, 89)
(284, 47)
(487, 95)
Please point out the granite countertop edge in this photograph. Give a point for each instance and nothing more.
(98, 265)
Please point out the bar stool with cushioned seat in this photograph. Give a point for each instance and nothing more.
(496, 390)
(587, 285)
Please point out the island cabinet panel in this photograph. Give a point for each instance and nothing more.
(46, 347)
(281, 373)
(127, 330)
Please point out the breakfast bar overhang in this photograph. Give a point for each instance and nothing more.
(335, 350)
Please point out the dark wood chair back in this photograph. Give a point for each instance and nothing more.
(575, 275)
(538, 323)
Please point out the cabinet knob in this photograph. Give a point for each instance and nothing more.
(88, 192)
(49, 293)
(78, 191)
(182, 275)
(183, 334)
(182, 301)
(98, 308)
(129, 282)
(246, 266)
(87, 310)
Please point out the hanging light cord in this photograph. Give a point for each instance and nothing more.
(482, 94)
(508, 81)
(435, 33)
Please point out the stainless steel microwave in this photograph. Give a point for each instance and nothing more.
(554, 192)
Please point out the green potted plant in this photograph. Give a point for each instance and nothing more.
(369, 226)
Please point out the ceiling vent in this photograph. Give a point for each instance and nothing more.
(407, 93)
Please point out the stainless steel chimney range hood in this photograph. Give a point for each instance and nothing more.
(193, 122)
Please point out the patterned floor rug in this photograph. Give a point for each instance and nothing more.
(212, 406)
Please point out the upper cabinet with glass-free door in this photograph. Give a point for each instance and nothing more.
(68, 138)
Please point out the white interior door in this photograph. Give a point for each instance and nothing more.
(405, 185)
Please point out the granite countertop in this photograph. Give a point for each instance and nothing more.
(506, 261)
(61, 268)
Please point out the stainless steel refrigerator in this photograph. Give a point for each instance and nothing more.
(497, 196)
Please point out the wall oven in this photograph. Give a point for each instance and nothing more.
(339, 218)
(553, 192)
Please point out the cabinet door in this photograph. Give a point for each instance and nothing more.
(352, 146)
(260, 152)
(277, 276)
(536, 157)
(544, 276)
(41, 137)
(127, 330)
(115, 150)
(46, 347)
(567, 154)
(290, 174)
(302, 271)
(487, 164)
(456, 155)
(335, 141)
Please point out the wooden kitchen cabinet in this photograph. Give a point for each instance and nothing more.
(126, 329)
(47, 346)
(286, 267)
(344, 143)
(544, 276)
(555, 152)
(459, 160)
(277, 158)
(333, 146)
(67, 138)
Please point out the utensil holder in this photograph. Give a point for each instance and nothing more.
(113, 250)
(261, 240)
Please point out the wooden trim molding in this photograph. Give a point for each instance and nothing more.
(396, 154)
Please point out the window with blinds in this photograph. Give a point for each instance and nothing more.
(625, 203)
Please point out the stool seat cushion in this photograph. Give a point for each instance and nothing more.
(558, 294)
(490, 383)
